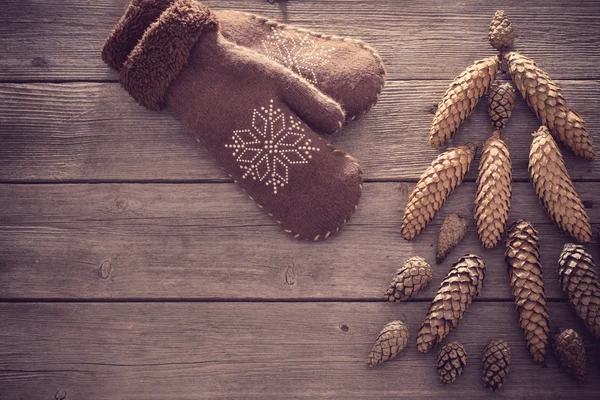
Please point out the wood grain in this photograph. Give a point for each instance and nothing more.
(61, 40)
(257, 350)
(209, 241)
(95, 132)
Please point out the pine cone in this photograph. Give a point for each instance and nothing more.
(435, 186)
(452, 358)
(461, 98)
(554, 187)
(414, 275)
(456, 292)
(501, 31)
(544, 97)
(494, 190)
(390, 341)
(569, 350)
(501, 100)
(579, 280)
(452, 231)
(525, 271)
(496, 364)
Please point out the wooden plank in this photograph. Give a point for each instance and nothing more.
(95, 132)
(208, 241)
(61, 40)
(257, 350)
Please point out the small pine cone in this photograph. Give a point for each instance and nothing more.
(415, 274)
(436, 184)
(555, 189)
(579, 280)
(501, 31)
(452, 231)
(461, 98)
(463, 282)
(525, 271)
(544, 97)
(569, 350)
(501, 103)
(496, 364)
(494, 191)
(452, 359)
(390, 341)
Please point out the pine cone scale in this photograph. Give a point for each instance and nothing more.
(434, 188)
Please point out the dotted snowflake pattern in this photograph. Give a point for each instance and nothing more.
(298, 52)
(274, 142)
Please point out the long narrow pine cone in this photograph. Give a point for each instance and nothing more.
(580, 281)
(555, 189)
(525, 272)
(570, 352)
(544, 97)
(453, 230)
(494, 191)
(463, 282)
(436, 184)
(496, 364)
(501, 99)
(461, 98)
(415, 274)
(452, 359)
(390, 342)
(501, 31)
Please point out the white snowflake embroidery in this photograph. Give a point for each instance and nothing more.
(296, 51)
(267, 149)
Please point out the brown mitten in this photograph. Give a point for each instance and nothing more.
(347, 70)
(249, 112)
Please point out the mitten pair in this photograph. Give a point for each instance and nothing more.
(253, 100)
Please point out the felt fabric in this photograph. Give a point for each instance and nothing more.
(347, 70)
(251, 114)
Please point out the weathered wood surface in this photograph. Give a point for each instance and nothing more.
(61, 40)
(257, 350)
(208, 241)
(96, 132)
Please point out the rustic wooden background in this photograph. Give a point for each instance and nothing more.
(132, 268)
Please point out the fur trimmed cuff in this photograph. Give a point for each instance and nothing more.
(163, 51)
(139, 15)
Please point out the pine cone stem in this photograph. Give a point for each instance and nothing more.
(494, 191)
(525, 272)
(436, 184)
(460, 99)
(462, 283)
(555, 189)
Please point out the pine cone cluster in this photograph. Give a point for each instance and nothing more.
(436, 184)
(494, 191)
(525, 271)
(463, 282)
(390, 342)
(555, 189)
(501, 103)
(501, 31)
(452, 231)
(415, 274)
(579, 280)
(461, 98)
(570, 352)
(545, 99)
(452, 359)
(496, 364)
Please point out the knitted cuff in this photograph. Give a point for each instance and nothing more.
(139, 15)
(163, 51)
